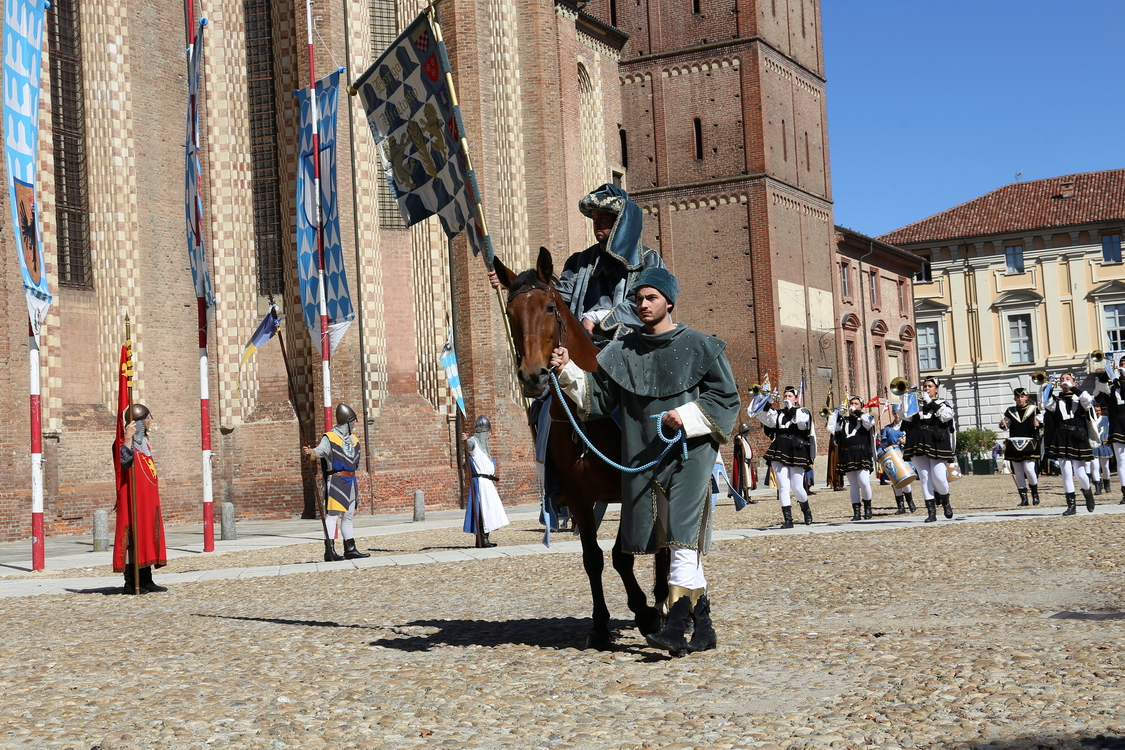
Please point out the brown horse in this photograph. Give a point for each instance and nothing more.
(540, 322)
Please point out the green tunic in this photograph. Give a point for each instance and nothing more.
(646, 374)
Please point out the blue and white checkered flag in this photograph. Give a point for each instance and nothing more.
(419, 132)
(448, 360)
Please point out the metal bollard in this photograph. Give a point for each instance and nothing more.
(227, 532)
(101, 531)
(419, 506)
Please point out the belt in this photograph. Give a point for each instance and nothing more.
(486, 476)
(342, 473)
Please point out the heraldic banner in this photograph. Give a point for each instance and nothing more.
(340, 310)
(418, 129)
(23, 39)
(193, 206)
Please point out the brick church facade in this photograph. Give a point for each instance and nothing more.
(710, 112)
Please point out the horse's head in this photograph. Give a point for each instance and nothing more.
(535, 312)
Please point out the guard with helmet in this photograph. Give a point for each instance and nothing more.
(132, 450)
(339, 452)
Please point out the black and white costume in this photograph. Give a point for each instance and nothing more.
(791, 452)
(855, 438)
(1068, 441)
(1113, 396)
(929, 446)
(1022, 448)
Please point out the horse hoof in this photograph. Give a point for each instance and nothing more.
(599, 641)
(649, 621)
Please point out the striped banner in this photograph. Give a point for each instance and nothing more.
(193, 205)
(448, 360)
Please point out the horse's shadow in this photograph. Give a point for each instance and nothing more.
(541, 632)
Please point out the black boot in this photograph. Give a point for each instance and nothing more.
(910, 501)
(807, 513)
(946, 508)
(671, 637)
(703, 639)
(484, 542)
(787, 516)
(931, 511)
(129, 588)
(350, 551)
(147, 584)
(1122, 496)
(1096, 486)
(330, 551)
(901, 506)
(867, 510)
(1034, 494)
(855, 511)
(1070, 505)
(1105, 486)
(1089, 495)
(1023, 496)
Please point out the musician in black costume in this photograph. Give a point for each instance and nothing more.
(1022, 445)
(1068, 417)
(791, 452)
(1113, 397)
(929, 446)
(855, 436)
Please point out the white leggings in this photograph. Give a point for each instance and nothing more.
(904, 490)
(1071, 469)
(789, 479)
(1098, 469)
(686, 568)
(1119, 452)
(932, 475)
(345, 525)
(859, 482)
(1024, 473)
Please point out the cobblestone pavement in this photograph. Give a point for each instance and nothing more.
(940, 635)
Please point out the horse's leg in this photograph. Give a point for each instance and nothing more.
(660, 569)
(594, 562)
(648, 618)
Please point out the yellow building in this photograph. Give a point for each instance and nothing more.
(1027, 277)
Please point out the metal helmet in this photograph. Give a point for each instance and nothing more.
(137, 413)
(483, 424)
(743, 428)
(344, 414)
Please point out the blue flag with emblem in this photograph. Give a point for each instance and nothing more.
(448, 360)
(417, 126)
(23, 53)
(340, 310)
(193, 205)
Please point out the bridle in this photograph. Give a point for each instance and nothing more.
(553, 308)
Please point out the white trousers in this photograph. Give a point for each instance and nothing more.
(932, 475)
(345, 524)
(859, 482)
(1119, 452)
(1098, 469)
(790, 479)
(1025, 473)
(1071, 470)
(686, 569)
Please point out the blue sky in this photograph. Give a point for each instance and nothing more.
(931, 104)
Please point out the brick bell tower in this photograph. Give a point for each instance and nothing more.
(725, 140)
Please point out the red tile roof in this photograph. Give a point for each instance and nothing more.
(1024, 206)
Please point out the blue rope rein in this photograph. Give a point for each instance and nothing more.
(679, 437)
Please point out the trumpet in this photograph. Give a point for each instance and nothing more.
(1039, 377)
(1097, 355)
(899, 387)
(755, 389)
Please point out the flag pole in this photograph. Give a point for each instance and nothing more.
(133, 542)
(322, 295)
(201, 315)
(38, 551)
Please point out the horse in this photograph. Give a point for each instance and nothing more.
(541, 321)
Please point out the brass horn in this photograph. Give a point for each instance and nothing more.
(755, 389)
(899, 386)
(1097, 355)
(1039, 377)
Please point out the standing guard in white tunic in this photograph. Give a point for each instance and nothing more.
(484, 513)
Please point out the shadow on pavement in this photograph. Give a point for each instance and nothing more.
(546, 632)
(1099, 742)
(286, 621)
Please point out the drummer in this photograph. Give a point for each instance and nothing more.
(1022, 447)
(929, 445)
(855, 436)
(894, 436)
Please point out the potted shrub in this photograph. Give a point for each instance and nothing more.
(976, 445)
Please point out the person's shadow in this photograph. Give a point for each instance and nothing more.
(545, 632)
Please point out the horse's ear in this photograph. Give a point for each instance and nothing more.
(502, 273)
(545, 266)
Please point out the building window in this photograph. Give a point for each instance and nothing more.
(849, 347)
(845, 280)
(384, 30)
(1111, 248)
(695, 6)
(1115, 327)
(929, 353)
(69, 135)
(784, 142)
(808, 157)
(902, 297)
(926, 274)
(698, 138)
(613, 13)
(624, 148)
(873, 287)
(1019, 334)
(1014, 258)
(265, 169)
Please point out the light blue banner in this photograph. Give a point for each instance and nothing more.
(193, 205)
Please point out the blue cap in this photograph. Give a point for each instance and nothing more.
(660, 280)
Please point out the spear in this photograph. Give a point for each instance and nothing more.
(133, 543)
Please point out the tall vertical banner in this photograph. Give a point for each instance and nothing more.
(413, 113)
(23, 53)
(341, 313)
(200, 273)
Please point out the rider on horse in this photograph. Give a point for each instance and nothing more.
(670, 370)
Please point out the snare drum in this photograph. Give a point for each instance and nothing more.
(900, 471)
